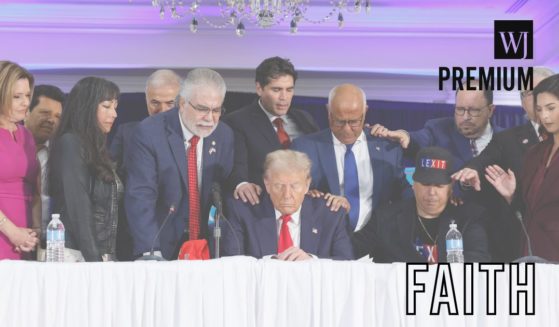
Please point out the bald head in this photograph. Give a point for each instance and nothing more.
(162, 89)
(347, 105)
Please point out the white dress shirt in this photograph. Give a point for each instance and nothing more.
(187, 134)
(364, 171)
(536, 127)
(288, 124)
(484, 139)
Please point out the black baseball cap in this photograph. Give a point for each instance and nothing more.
(433, 166)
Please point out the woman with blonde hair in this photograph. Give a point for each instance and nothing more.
(19, 191)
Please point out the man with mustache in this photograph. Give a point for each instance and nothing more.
(43, 119)
(266, 125)
(173, 160)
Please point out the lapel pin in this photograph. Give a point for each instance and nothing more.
(212, 150)
(378, 148)
(525, 141)
(213, 143)
(315, 231)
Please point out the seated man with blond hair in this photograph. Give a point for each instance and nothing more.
(286, 223)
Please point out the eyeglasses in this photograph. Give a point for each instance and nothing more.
(474, 112)
(205, 110)
(527, 93)
(351, 122)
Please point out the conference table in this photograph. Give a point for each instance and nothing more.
(243, 291)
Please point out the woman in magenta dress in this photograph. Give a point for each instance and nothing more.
(19, 167)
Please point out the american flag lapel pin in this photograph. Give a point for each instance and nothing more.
(315, 231)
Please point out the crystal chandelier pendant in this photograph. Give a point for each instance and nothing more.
(357, 6)
(194, 25)
(262, 13)
(266, 18)
(293, 26)
(240, 29)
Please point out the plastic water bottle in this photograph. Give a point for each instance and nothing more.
(454, 245)
(55, 239)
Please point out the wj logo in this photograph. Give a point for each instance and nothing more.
(514, 39)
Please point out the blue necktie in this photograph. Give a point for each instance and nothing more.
(351, 185)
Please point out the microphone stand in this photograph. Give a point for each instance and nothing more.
(217, 229)
(530, 257)
(151, 256)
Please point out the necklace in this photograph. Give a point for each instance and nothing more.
(426, 232)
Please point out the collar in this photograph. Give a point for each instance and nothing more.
(186, 133)
(361, 138)
(269, 115)
(536, 127)
(487, 133)
(295, 217)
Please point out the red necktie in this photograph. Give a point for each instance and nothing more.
(283, 137)
(285, 241)
(193, 194)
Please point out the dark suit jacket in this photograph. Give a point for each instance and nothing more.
(390, 234)
(323, 233)
(121, 144)
(386, 161)
(506, 149)
(442, 132)
(157, 180)
(543, 215)
(255, 137)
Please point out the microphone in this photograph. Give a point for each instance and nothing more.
(151, 255)
(218, 203)
(216, 195)
(530, 257)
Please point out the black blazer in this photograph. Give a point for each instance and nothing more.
(389, 235)
(255, 137)
(506, 149)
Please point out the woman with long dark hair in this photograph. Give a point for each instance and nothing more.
(539, 177)
(19, 171)
(83, 184)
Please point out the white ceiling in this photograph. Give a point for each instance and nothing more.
(402, 37)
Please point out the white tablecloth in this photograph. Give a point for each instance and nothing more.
(242, 291)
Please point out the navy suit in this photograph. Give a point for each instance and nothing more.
(386, 161)
(255, 137)
(254, 229)
(121, 144)
(443, 132)
(157, 180)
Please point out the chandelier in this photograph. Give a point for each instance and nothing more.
(262, 13)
